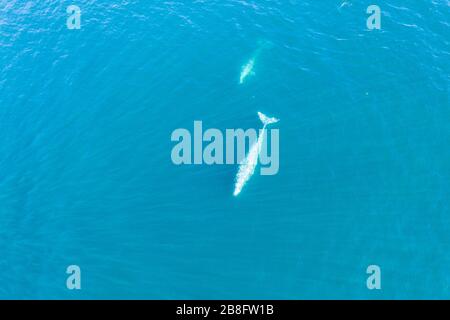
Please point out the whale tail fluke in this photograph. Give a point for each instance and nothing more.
(267, 120)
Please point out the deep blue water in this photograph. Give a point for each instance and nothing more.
(86, 176)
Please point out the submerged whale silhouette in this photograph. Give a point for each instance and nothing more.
(247, 69)
(248, 165)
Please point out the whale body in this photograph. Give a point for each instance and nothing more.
(248, 165)
(247, 70)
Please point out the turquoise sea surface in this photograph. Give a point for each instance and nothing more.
(86, 176)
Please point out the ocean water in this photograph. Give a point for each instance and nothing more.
(86, 176)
